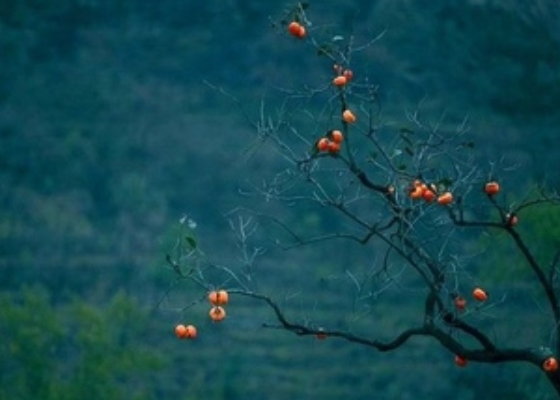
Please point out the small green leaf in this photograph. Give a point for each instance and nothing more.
(191, 242)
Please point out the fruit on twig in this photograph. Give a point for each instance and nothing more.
(185, 332)
(334, 147)
(480, 294)
(340, 81)
(460, 361)
(348, 74)
(512, 219)
(550, 364)
(348, 117)
(296, 29)
(460, 303)
(491, 188)
(429, 195)
(445, 198)
(218, 297)
(323, 144)
(217, 313)
(337, 136)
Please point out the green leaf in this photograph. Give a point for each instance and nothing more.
(191, 242)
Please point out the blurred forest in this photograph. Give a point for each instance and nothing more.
(111, 129)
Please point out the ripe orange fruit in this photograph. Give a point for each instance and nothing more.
(445, 199)
(334, 147)
(181, 331)
(218, 297)
(185, 332)
(337, 136)
(296, 29)
(492, 188)
(429, 195)
(348, 117)
(416, 192)
(460, 361)
(348, 74)
(217, 313)
(323, 144)
(550, 364)
(340, 81)
(479, 294)
(460, 303)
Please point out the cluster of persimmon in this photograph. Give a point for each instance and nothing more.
(478, 294)
(331, 142)
(342, 77)
(218, 299)
(185, 331)
(297, 30)
(419, 190)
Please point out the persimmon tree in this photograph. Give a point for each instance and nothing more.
(414, 192)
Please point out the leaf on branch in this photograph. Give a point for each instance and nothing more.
(191, 242)
(402, 167)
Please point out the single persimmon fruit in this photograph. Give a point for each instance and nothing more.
(445, 198)
(429, 195)
(460, 303)
(296, 29)
(323, 144)
(492, 188)
(217, 313)
(340, 81)
(348, 74)
(337, 136)
(460, 361)
(348, 117)
(480, 294)
(334, 147)
(218, 297)
(550, 364)
(416, 192)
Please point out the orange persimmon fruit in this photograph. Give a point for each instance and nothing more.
(550, 364)
(491, 188)
(337, 136)
(217, 313)
(296, 29)
(480, 294)
(185, 332)
(348, 117)
(218, 297)
(460, 361)
(340, 81)
(429, 195)
(334, 147)
(348, 74)
(445, 198)
(323, 144)
(460, 303)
